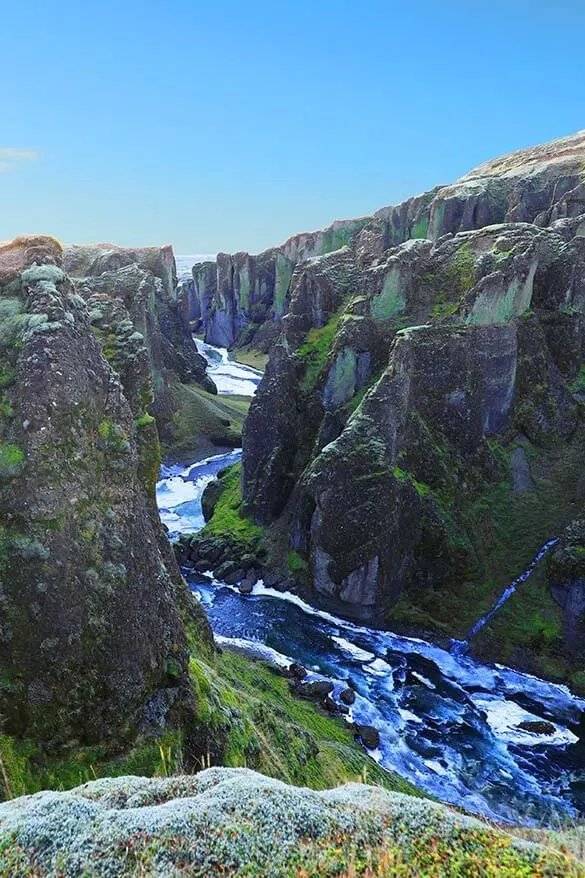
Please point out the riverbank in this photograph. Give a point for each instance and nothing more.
(490, 739)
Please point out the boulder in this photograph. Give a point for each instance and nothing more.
(537, 727)
(369, 736)
(314, 690)
(347, 696)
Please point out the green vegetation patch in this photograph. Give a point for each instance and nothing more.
(252, 720)
(26, 769)
(229, 516)
(296, 563)
(12, 461)
(202, 421)
(316, 349)
(578, 384)
(499, 531)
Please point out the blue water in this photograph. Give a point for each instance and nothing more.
(447, 722)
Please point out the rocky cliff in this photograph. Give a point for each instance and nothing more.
(240, 299)
(135, 313)
(419, 430)
(93, 611)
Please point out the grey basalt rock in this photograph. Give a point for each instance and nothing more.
(241, 299)
(444, 328)
(136, 313)
(93, 610)
(566, 576)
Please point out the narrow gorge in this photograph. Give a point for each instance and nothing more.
(292, 544)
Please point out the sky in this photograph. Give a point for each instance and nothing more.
(225, 125)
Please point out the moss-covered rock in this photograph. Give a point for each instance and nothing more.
(93, 611)
(418, 391)
(136, 316)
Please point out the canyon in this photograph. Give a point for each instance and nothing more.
(366, 562)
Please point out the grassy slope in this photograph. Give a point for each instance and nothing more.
(247, 716)
(506, 531)
(205, 422)
(270, 730)
(249, 356)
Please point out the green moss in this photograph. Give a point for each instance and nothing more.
(442, 309)
(391, 301)
(296, 563)
(7, 377)
(463, 269)
(284, 270)
(335, 239)
(149, 453)
(228, 515)
(144, 420)
(244, 276)
(12, 461)
(315, 351)
(420, 228)
(113, 436)
(578, 384)
(403, 476)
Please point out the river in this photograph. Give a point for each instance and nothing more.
(447, 722)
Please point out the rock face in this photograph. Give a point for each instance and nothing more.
(422, 387)
(93, 609)
(566, 572)
(241, 299)
(135, 312)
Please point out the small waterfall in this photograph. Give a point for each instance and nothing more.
(460, 647)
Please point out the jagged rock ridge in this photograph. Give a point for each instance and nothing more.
(240, 299)
(417, 377)
(92, 606)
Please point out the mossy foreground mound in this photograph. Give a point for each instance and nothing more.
(235, 821)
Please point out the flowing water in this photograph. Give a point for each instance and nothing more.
(230, 378)
(448, 723)
(459, 647)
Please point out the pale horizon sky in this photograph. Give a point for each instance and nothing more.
(232, 126)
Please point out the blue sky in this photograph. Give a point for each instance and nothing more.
(231, 125)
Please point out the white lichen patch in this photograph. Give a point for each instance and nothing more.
(233, 819)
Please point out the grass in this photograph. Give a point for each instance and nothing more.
(246, 717)
(481, 853)
(228, 517)
(203, 421)
(268, 729)
(26, 769)
(249, 356)
(315, 350)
